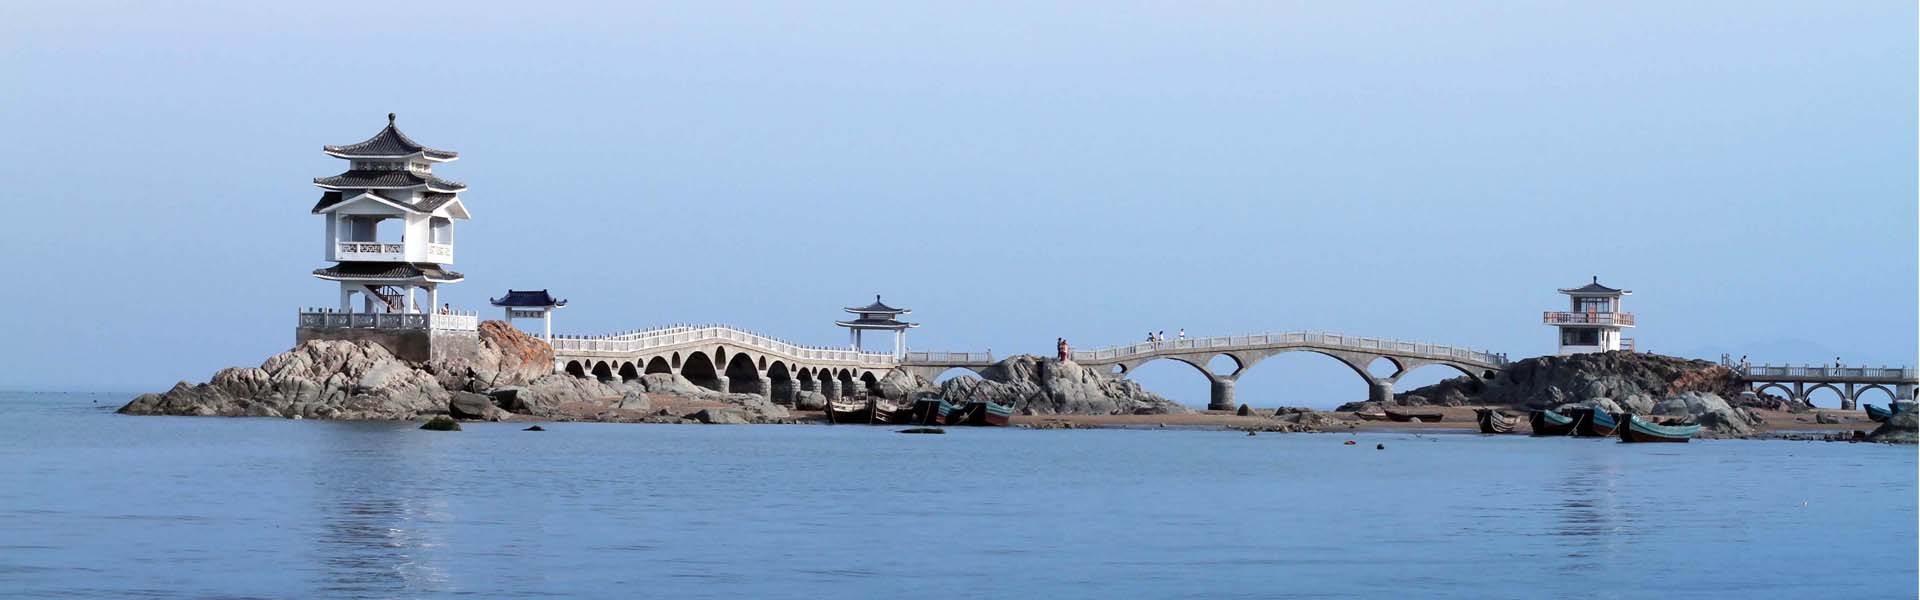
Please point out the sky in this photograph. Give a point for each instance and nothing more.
(1012, 172)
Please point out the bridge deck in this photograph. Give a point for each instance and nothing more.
(1303, 339)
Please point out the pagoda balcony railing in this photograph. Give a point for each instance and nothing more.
(326, 318)
(642, 341)
(374, 251)
(440, 253)
(1295, 338)
(1587, 318)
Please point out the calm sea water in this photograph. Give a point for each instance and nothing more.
(103, 505)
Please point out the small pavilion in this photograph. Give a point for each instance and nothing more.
(530, 304)
(878, 316)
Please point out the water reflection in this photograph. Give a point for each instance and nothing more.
(1588, 511)
(376, 496)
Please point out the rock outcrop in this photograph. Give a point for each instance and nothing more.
(1901, 428)
(1045, 386)
(1615, 381)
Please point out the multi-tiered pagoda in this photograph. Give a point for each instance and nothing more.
(389, 223)
(878, 317)
(390, 237)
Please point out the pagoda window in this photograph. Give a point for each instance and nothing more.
(366, 228)
(442, 231)
(1579, 336)
(1592, 305)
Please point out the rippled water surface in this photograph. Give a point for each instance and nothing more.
(98, 504)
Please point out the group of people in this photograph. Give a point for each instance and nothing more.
(1156, 338)
(1060, 346)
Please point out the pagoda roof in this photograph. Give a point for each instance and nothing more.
(388, 271)
(864, 323)
(390, 143)
(427, 203)
(1595, 289)
(528, 298)
(387, 180)
(878, 307)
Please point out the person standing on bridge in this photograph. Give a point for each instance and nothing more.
(1182, 334)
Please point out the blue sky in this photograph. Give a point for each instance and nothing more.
(1013, 173)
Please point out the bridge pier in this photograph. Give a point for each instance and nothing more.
(721, 383)
(829, 388)
(764, 387)
(1380, 390)
(1222, 397)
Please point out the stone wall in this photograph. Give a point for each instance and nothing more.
(411, 345)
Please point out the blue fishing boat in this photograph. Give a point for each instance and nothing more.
(1594, 422)
(1547, 422)
(1878, 414)
(930, 410)
(1637, 430)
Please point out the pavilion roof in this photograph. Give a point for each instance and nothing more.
(1595, 289)
(389, 143)
(387, 179)
(878, 307)
(388, 271)
(427, 203)
(528, 298)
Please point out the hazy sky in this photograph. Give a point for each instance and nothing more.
(1013, 173)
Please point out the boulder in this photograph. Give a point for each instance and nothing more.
(316, 379)
(471, 406)
(1825, 418)
(673, 384)
(634, 400)
(901, 385)
(1901, 428)
(713, 416)
(1044, 386)
(505, 356)
(810, 401)
(441, 424)
(1614, 381)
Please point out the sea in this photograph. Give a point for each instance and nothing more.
(99, 505)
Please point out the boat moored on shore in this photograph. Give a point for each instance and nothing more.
(1594, 422)
(1424, 417)
(1636, 429)
(1493, 421)
(1547, 422)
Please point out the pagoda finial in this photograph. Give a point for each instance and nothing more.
(1596, 279)
(876, 297)
(389, 118)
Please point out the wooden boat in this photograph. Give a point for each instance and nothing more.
(1367, 416)
(888, 412)
(1593, 422)
(849, 411)
(1432, 417)
(1493, 421)
(1547, 422)
(931, 411)
(999, 415)
(982, 413)
(1636, 430)
(1877, 414)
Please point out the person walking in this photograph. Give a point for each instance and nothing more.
(1183, 333)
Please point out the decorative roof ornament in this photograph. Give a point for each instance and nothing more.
(390, 143)
(1595, 289)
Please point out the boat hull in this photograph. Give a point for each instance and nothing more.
(1594, 422)
(888, 413)
(1421, 417)
(1371, 416)
(1637, 430)
(982, 414)
(1491, 421)
(1877, 414)
(847, 412)
(1546, 422)
(929, 411)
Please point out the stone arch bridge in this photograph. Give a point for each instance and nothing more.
(1356, 352)
(1851, 383)
(728, 359)
(724, 359)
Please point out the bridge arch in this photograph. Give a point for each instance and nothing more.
(658, 365)
(1840, 397)
(1785, 392)
(1860, 393)
(1231, 367)
(602, 371)
(742, 376)
(847, 383)
(575, 369)
(628, 372)
(782, 382)
(1393, 368)
(1422, 374)
(676, 361)
(870, 383)
(699, 369)
(1300, 377)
